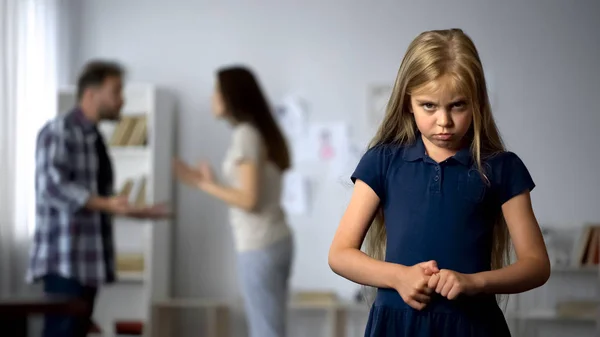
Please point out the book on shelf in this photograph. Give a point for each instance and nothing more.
(140, 196)
(129, 327)
(126, 188)
(587, 247)
(577, 309)
(135, 190)
(130, 262)
(130, 131)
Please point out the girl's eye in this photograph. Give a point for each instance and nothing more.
(459, 105)
(428, 106)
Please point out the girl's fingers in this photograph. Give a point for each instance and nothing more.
(416, 305)
(433, 281)
(446, 289)
(454, 292)
(422, 298)
(440, 284)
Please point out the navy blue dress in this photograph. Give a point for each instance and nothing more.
(443, 212)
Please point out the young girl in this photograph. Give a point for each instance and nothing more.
(452, 197)
(253, 166)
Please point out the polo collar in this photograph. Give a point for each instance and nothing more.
(416, 151)
(464, 156)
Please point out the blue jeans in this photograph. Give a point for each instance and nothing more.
(68, 326)
(265, 275)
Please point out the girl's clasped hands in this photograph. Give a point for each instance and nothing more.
(419, 282)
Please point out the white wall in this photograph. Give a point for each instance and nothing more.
(542, 58)
(68, 39)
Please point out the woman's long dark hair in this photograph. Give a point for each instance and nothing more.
(245, 102)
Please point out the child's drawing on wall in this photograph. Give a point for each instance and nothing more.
(326, 150)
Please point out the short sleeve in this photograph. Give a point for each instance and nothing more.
(247, 143)
(514, 177)
(372, 168)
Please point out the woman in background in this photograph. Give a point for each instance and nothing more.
(253, 167)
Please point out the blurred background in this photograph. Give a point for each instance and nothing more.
(329, 65)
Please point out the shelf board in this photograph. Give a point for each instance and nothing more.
(549, 315)
(128, 276)
(326, 305)
(129, 151)
(129, 221)
(576, 269)
(191, 303)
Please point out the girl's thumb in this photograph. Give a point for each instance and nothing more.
(432, 265)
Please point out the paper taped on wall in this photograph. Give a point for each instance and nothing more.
(294, 197)
(291, 116)
(330, 144)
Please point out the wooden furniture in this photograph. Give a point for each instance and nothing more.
(218, 322)
(335, 312)
(216, 314)
(15, 312)
(141, 146)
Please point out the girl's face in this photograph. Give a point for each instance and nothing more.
(442, 114)
(217, 103)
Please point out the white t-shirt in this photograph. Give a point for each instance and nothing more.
(267, 224)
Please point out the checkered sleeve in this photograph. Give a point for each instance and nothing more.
(55, 157)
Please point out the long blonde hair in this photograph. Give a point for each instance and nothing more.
(430, 56)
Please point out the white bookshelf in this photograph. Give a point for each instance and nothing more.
(130, 298)
(534, 313)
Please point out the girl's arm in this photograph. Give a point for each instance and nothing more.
(532, 268)
(345, 257)
(244, 197)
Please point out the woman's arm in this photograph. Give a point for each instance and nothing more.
(532, 268)
(244, 197)
(345, 257)
(247, 151)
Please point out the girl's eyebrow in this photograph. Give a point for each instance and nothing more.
(424, 100)
(432, 101)
(459, 100)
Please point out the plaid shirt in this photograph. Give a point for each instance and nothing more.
(70, 240)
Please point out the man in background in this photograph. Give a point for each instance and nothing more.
(73, 251)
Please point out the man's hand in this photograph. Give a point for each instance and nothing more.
(117, 205)
(120, 206)
(157, 211)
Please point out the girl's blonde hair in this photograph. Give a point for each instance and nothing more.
(431, 55)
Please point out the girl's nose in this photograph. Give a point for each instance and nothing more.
(444, 119)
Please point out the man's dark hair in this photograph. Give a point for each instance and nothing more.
(95, 72)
